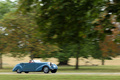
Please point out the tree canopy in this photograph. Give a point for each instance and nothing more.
(65, 22)
(22, 36)
(59, 22)
(6, 6)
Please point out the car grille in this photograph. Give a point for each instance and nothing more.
(50, 64)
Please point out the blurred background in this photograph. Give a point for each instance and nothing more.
(74, 32)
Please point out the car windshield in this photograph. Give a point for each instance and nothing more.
(34, 61)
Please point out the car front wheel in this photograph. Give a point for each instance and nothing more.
(46, 69)
(54, 71)
(18, 71)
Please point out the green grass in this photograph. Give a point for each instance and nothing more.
(58, 77)
(80, 70)
(90, 69)
(6, 70)
(66, 69)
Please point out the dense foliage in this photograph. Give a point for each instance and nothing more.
(78, 27)
(72, 21)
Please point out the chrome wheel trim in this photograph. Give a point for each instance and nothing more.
(18, 71)
(46, 69)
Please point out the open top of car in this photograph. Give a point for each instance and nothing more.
(34, 61)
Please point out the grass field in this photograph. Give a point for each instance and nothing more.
(59, 77)
(90, 69)
(82, 69)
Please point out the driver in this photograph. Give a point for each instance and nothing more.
(30, 61)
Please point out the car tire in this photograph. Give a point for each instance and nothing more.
(18, 71)
(26, 72)
(46, 69)
(54, 71)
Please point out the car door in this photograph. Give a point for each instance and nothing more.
(29, 66)
(39, 66)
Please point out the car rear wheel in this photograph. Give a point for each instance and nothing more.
(18, 71)
(46, 69)
(26, 72)
(54, 71)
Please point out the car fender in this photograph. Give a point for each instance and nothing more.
(18, 66)
(41, 67)
(54, 66)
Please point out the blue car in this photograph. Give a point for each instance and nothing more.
(36, 67)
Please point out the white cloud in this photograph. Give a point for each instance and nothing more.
(12, 0)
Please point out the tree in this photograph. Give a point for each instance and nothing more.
(63, 21)
(22, 36)
(109, 49)
(5, 7)
(2, 45)
(107, 25)
(64, 53)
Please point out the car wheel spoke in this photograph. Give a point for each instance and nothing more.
(46, 70)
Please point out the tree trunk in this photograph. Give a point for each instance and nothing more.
(31, 56)
(31, 53)
(77, 62)
(77, 57)
(103, 61)
(0, 61)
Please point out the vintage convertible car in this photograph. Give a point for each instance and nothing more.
(36, 66)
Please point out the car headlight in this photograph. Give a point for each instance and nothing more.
(54, 66)
(50, 63)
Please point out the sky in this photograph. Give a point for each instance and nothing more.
(4, 0)
(12, 0)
